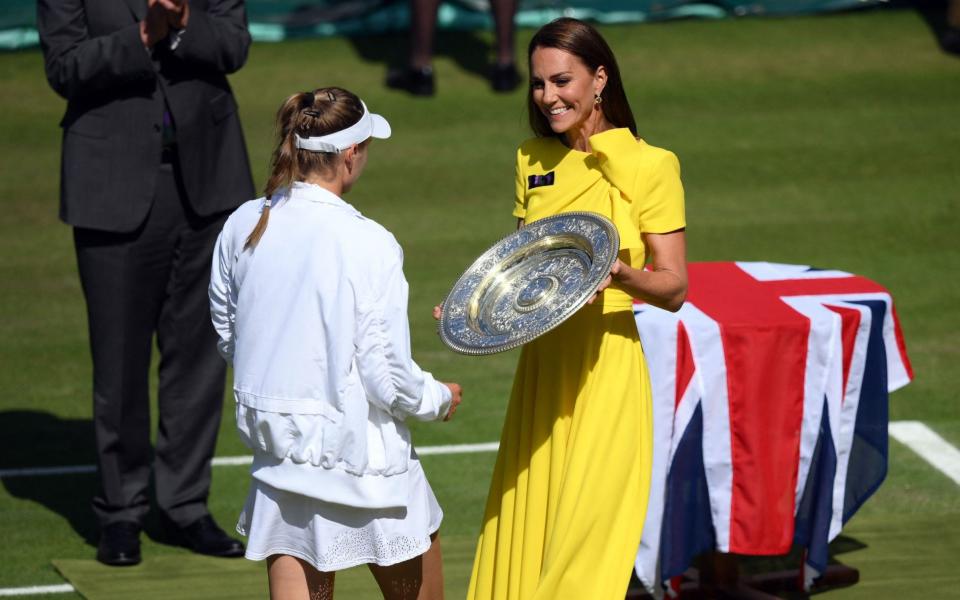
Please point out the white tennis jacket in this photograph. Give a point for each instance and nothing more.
(315, 322)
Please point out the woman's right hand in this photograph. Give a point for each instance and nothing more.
(457, 392)
(437, 311)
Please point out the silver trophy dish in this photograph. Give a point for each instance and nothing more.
(528, 283)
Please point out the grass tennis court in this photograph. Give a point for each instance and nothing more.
(832, 141)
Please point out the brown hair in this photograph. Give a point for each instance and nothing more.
(586, 43)
(307, 114)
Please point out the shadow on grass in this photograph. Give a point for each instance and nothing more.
(843, 544)
(934, 14)
(39, 440)
(34, 439)
(781, 574)
(467, 49)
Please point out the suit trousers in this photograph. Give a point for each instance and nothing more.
(150, 281)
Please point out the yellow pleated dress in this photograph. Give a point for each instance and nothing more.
(569, 492)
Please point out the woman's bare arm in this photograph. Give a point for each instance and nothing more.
(665, 286)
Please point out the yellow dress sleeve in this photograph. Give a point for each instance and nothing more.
(647, 176)
(519, 200)
(661, 209)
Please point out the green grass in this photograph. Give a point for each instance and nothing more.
(830, 141)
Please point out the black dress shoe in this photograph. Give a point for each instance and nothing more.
(204, 536)
(119, 544)
(504, 78)
(417, 81)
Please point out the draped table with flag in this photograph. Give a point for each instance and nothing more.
(770, 392)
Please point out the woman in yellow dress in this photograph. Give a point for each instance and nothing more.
(569, 493)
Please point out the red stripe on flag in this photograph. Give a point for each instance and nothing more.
(765, 348)
(684, 363)
(901, 344)
(850, 322)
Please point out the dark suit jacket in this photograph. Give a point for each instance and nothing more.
(116, 90)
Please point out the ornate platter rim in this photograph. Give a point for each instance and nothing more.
(585, 292)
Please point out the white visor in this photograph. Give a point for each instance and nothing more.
(369, 125)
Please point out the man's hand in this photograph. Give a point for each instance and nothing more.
(457, 392)
(177, 12)
(155, 26)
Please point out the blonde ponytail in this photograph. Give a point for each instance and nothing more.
(308, 114)
(259, 228)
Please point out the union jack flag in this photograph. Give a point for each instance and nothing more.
(770, 392)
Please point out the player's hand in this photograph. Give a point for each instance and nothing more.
(437, 311)
(457, 392)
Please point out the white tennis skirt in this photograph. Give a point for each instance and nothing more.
(332, 537)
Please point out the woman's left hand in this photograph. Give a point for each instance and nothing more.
(614, 271)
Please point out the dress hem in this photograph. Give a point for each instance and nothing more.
(328, 568)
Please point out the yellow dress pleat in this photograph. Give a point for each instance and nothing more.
(569, 491)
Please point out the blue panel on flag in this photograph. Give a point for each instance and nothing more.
(868, 455)
(687, 523)
(816, 507)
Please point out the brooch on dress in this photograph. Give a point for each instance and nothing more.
(540, 180)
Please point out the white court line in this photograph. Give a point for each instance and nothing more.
(929, 445)
(231, 461)
(37, 589)
(459, 448)
(913, 434)
(228, 461)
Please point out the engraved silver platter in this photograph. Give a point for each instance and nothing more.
(528, 283)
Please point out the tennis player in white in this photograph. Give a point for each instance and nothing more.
(310, 302)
